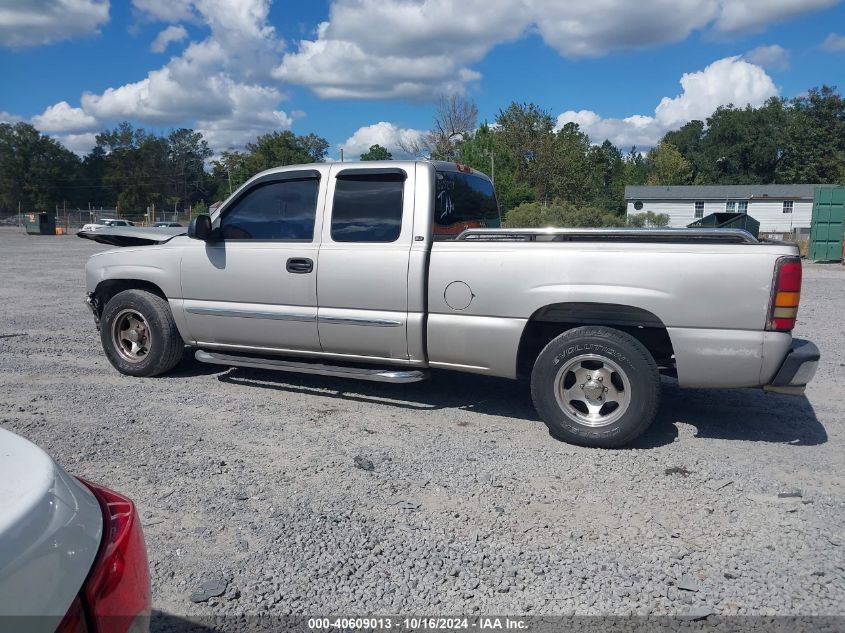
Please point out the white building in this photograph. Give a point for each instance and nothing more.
(778, 208)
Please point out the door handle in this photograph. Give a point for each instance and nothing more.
(300, 265)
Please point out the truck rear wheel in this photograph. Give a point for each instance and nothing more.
(139, 335)
(596, 386)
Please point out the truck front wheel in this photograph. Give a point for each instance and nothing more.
(596, 386)
(138, 334)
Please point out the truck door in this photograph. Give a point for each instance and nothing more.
(362, 278)
(256, 286)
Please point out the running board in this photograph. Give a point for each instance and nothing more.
(337, 371)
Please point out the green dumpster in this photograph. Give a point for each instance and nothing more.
(40, 224)
(828, 224)
(728, 221)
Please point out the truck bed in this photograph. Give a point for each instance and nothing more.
(709, 290)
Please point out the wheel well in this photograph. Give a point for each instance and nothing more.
(109, 288)
(553, 320)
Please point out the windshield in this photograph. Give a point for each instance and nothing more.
(463, 201)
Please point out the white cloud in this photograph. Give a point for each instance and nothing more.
(338, 69)
(397, 49)
(78, 143)
(756, 14)
(60, 114)
(414, 50)
(164, 96)
(35, 22)
(219, 85)
(8, 117)
(773, 57)
(382, 133)
(727, 81)
(61, 117)
(834, 43)
(173, 33)
(252, 112)
(636, 130)
(592, 28)
(166, 10)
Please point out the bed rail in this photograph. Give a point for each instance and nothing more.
(696, 236)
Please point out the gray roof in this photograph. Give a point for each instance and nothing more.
(720, 192)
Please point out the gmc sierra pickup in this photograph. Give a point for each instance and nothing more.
(383, 270)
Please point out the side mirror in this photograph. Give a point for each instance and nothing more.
(200, 228)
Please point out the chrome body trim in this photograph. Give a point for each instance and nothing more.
(272, 364)
(287, 351)
(252, 314)
(360, 321)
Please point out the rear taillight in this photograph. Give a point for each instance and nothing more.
(116, 594)
(786, 294)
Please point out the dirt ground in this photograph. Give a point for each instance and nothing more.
(310, 495)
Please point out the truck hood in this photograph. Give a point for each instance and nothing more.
(133, 235)
(50, 530)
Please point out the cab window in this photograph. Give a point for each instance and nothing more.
(277, 210)
(367, 207)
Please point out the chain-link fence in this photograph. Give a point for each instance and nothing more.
(71, 220)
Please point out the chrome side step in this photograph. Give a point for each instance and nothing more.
(337, 371)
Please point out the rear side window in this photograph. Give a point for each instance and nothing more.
(367, 207)
(463, 201)
(280, 210)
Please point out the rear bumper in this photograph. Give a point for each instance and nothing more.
(797, 369)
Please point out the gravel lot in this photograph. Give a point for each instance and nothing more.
(316, 496)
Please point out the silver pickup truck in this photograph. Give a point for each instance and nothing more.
(384, 270)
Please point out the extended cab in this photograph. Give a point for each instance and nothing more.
(382, 270)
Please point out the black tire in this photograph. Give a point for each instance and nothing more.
(164, 346)
(634, 389)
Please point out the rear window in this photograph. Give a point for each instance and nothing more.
(463, 201)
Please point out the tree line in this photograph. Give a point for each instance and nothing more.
(133, 170)
(544, 175)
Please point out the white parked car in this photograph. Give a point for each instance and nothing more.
(72, 555)
(106, 222)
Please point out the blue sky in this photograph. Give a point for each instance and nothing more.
(238, 68)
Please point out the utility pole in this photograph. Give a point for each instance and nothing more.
(341, 154)
(20, 219)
